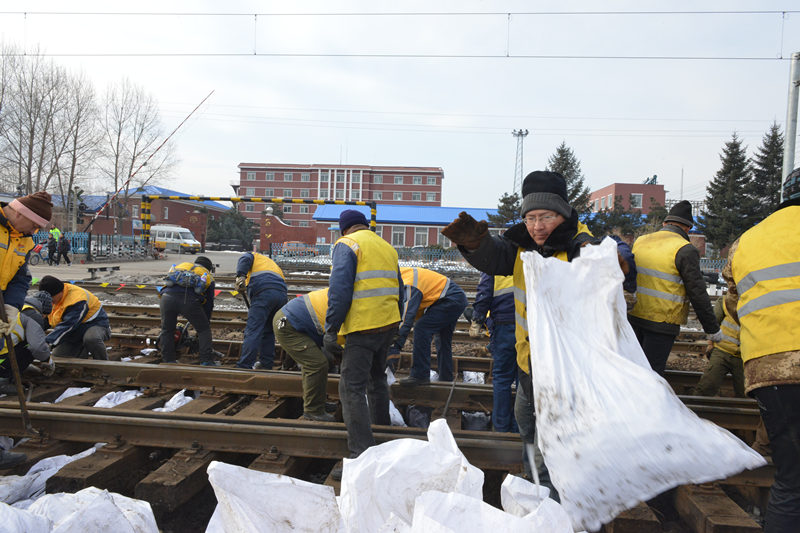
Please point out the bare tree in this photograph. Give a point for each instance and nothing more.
(132, 131)
(31, 128)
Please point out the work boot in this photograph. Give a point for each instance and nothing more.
(9, 459)
(210, 363)
(324, 417)
(412, 381)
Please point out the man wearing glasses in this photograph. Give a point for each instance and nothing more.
(551, 228)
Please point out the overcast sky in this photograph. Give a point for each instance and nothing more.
(438, 84)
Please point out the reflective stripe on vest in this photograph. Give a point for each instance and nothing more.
(503, 285)
(520, 302)
(71, 296)
(375, 288)
(767, 276)
(432, 285)
(13, 250)
(730, 335)
(660, 293)
(317, 307)
(263, 265)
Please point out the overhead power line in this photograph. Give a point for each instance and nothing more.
(408, 13)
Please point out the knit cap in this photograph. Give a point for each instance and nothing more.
(36, 207)
(545, 190)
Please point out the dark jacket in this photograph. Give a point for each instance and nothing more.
(629, 284)
(500, 308)
(64, 245)
(687, 261)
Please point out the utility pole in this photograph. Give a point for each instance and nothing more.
(791, 119)
(520, 135)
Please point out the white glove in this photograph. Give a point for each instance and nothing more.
(715, 337)
(240, 283)
(474, 330)
(48, 367)
(11, 313)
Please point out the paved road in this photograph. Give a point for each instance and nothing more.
(225, 261)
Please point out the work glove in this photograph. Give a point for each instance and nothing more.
(715, 337)
(466, 231)
(474, 329)
(331, 345)
(11, 313)
(241, 283)
(48, 367)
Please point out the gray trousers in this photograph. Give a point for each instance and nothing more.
(91, 343)
(363, 372)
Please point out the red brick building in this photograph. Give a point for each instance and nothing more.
(382, 184)
(634, 196)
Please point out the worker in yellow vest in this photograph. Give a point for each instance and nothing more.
(725, 358)
(763, 277)
(299, 326)
(262, 280)
(80, 324)
(550, 227)
(433, 304)
(668, 278)
(365, 297)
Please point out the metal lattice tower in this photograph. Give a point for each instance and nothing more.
(520, 135)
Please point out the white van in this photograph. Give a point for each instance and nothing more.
(175, 238)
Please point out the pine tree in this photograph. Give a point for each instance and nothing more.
(728, 209)
(507, 211)
(565, 162)
(765, 188)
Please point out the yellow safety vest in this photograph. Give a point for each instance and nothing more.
(730, 335)
(202, 272)
(13, 250)
(72, 295)
(376, 288)
(264, 265)
(766, 269)
(520, 304)
(317, 306)
(503, 285)
(431, 284)
(660, 293)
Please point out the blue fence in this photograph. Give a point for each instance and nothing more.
(712, 265)
(78, 240)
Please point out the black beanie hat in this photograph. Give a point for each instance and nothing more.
(681, 213)
(205, 262)
(351, 217)
(51, 285)
(542, 189)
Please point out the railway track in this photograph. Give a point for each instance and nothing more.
(250, 418)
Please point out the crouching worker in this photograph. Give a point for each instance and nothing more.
(188, 291)
(30, 347)
(433, 305)
(264, 282)
(299, 326)
(80, 325)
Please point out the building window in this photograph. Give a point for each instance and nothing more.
(323, 177)
(355, 195)
(304, 193)
(355, 178)
(249, 191)
(398, 236)
(134, 211)
(339, 194)
(269, 193)
(340, 177)
(287, 222)
(416, 196)
(430, 196)
(251, 176)
(305, 176)
(596, 204)
(377, 195)
(636, 201)
(249, 207)
(323, 194)
(287, 176)
(431, 180)
(287, 193)
(417, 180)
(444, 242)
(378, 178)
(166, 213)
(398, 180)
(398, 196)
(379, 230)
(304, 209)
(420, 236)
(610, 202)
(303, 223)
(287, 209)
(603, 202)
(270, 176)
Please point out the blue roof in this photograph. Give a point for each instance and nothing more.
(404, 214)
(95, 201)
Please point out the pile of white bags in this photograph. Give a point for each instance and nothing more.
(611, 430)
